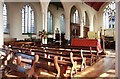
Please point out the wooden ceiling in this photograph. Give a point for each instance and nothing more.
(95, 5)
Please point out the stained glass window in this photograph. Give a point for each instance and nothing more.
(109, 16)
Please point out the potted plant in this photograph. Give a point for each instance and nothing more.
(43, 35)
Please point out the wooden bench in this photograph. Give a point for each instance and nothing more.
(65, 63)
(43, 64)
(17, 67)
(67, 59)
(6, 56)
(89, 52)
(41, 51)
(40, 64)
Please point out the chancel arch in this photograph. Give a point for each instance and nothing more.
(74, 22)
(85, 24)
(57, 10)
(57, 20)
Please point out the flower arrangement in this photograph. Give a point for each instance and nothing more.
(43, 34)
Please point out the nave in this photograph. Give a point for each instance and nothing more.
(57, 39)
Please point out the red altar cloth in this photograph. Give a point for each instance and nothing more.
(86, 42)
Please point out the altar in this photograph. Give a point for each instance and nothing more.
(86, 42)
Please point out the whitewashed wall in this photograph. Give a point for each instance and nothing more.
(14, 17)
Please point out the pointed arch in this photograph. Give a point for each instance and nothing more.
(86, 19)
(57, 10)
(85, 24)
(74, 22)
(74, 15)
(109, 16)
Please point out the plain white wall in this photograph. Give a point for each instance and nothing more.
(14, 17)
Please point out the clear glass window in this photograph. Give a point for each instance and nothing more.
(49, 22)
(28, 25)
(5, 22)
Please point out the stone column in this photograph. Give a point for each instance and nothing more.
(67, 28)
(44, 24)
(1, 24)
(117, 24)
(44, 7)
(45, 20)
(81, 28)
(91, 24)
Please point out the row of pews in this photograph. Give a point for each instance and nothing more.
(28, 59)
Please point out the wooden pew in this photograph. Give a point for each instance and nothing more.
(43, 64)
(17, 67)
(66, 48)
(39, 64)
(67, 59)
(90, 52)
(6, 56)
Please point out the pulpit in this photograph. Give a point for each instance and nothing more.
(60, 38)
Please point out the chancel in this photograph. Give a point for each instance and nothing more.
(64, 39)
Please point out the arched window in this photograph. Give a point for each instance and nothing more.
(49, 22)
(5, 22)
(85, 19)
(62, 24)
(75, 17)
(109, 16)
(28, 25)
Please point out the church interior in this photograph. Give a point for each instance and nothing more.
(57, 38)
